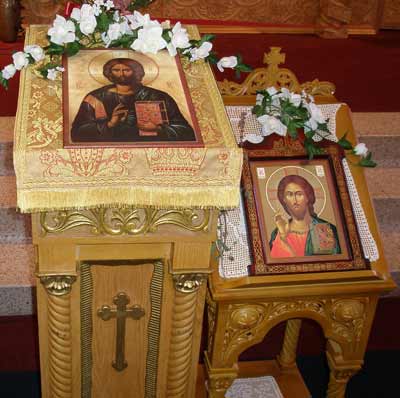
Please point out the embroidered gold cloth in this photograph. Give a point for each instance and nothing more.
(50, 177)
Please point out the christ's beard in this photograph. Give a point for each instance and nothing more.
(124, 80)
(298, 213)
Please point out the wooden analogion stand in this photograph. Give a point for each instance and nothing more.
(241, 311)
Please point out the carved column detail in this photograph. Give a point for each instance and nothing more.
(189, 283)
(341, 370)
(180, 356)
(58, 288)
(287, 356)
(60, 361)
(211, 313)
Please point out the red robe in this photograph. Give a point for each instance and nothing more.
(294, 246)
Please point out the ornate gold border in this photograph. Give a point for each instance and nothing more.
(288, 148)
(123, 220)
(156, 291)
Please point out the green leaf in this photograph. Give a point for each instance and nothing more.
(257, 110)
(212, 58)
(72, 48)
(312, 149)
(103, 22)
(206, 37)
(345, 143)
(54, 49)
(166, 36)
(243, 67)
(3, 82)
(364, 162)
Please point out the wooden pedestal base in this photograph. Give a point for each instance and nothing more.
(289, 381)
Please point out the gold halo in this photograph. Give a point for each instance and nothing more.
(95, 67)
(278, 174)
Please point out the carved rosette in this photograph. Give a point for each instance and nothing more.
(119, 221)
(342, 319)
(348, 317)
(246, 321)
(180, 356)
(188, 283)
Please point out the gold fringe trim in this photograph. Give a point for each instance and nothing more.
(222, 198)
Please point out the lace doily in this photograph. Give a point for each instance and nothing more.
(254, 387)
(235, 260)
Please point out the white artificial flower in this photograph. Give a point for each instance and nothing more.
(96, 10)
(109, 4)
(316, 113)
(20, 60)
(285, 93)
(227, 62)
(271, 124)
(310, 125)
(259, 99)
(51, 74)
(361, 150)
(179, 39)
(200, 52)
(116, 16)
(62, 31)
(179, 36)
(88, 24)
(137, 20)
(272, 91)
(114, 31)
(124, 27)
(8, 71)
(295, 99)
(149, 39)
(35, 51)
(99, 2)
(253, 138)
(76, 14)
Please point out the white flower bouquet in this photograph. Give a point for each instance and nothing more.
(99, 23)
(284, 112)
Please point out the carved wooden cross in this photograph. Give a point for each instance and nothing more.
(121, 313)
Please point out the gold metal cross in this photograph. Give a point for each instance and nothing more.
(121, 313)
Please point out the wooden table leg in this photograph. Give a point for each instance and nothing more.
(341, 370)
(287, 356)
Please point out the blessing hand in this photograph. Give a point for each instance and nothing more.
(282, 225)
(119, 115)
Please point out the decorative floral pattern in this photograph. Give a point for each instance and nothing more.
(85, 162)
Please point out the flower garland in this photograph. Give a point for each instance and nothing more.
(99, 23)
(284, 112)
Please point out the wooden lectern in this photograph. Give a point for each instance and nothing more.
(123, 234)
